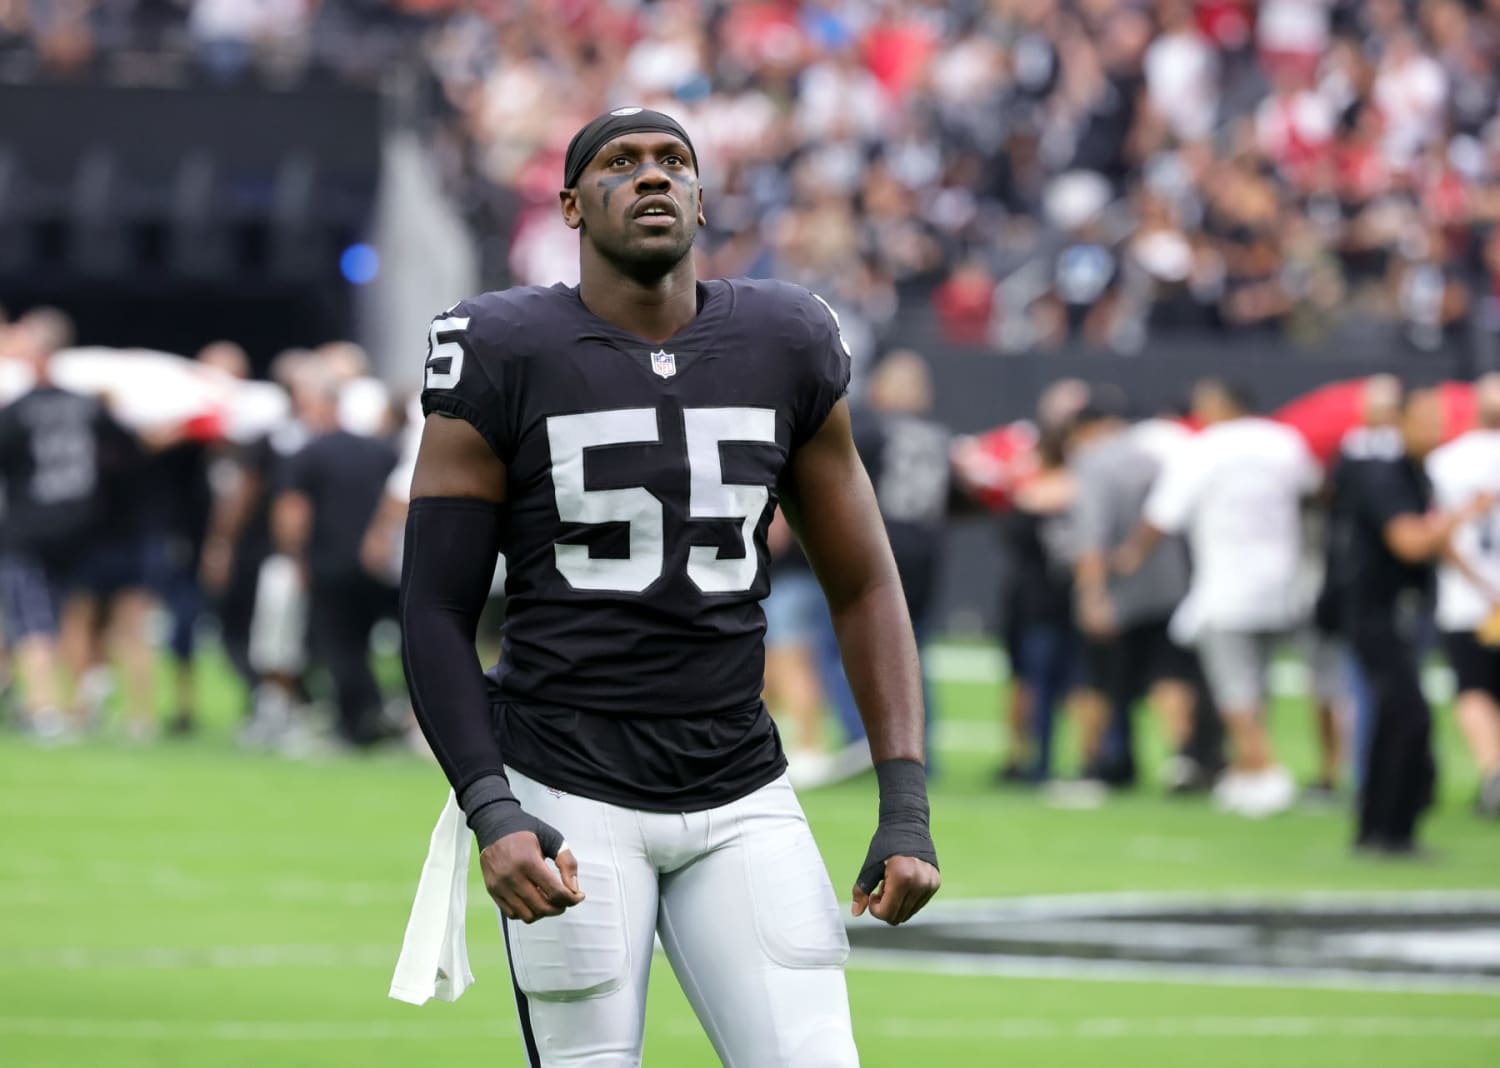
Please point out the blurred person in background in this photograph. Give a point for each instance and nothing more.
(1468, 585)
(990, 471)
(1391, 536)
(907, 456)
(794, 690)
(380, 551)
(9, 386)
(1046, 652)
(1378, 433)
(50, 444)
(107, 612)
(180, 502)
(1125, 616)
(230, 559)
(1237, 496)
(319, 518)
(384, 540)
(1325, 653)
(277, 636)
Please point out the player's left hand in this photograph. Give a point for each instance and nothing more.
(907, 885)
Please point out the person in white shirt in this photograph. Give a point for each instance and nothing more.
(1237, 496)
(1468, 588)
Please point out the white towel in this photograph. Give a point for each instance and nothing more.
(434, 958)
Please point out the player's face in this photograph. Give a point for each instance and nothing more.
(638, 202)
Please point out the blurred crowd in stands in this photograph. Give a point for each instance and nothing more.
(1042, 171)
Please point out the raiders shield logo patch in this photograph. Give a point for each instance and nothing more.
(664, 363)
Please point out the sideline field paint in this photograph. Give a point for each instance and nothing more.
(1418, 941)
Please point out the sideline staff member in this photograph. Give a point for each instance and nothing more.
(1393, 540)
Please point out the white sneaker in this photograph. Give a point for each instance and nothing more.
(1232, 790)
(1078, 795)
(49, 727)
(271, 712)
(853, 759)
(1259, 794)
(807, 769)
(1275, 792)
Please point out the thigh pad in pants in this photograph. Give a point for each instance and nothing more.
(795, 909)
(582, 953)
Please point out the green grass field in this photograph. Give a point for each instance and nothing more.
(189, 904)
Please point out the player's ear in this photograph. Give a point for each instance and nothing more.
(702, 221)
(572, 215)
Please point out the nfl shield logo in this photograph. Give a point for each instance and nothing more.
(664, 363)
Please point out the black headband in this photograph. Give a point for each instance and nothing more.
(588, 141)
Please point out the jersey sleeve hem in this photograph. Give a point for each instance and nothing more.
(819, 416)
(459, 408)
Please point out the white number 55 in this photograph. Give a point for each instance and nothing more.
(710, 497)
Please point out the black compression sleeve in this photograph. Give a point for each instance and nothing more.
(447, 565)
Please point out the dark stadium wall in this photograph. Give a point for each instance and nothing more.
(170, 217)
(978, 390)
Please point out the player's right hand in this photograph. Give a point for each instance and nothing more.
(519, 879)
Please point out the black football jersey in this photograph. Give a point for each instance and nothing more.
(1374, 481)
(51, 442)
(642, 478)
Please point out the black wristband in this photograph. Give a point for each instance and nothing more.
(903, 829)
(493, 812)
(903, 791)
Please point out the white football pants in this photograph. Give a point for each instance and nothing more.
(744, 908)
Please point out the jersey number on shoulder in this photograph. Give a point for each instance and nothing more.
(569, 436)
(445, 356)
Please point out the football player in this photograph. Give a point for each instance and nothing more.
(625, 442)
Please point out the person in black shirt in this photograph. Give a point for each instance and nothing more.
(1389, 539)
(907, 456)
(238, 548)
(1048, 650)
(331, 490)
(109, 602)
(625, 442)
(49, 465)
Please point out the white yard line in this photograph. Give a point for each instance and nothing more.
(184, 958)
(1200, 901)
(1073, 969)
(932, 1029)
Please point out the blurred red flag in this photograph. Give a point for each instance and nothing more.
(991, 466)
(1329, 412)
